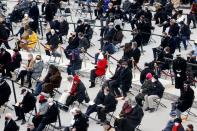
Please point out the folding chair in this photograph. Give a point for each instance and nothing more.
(101, 79)
(158, 103)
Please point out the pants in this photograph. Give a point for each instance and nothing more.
(149, 100)
(36, 120)
(184, 40)
(20, 112)
(21, 76)
(38, 88)
(70, 100)
(191, 18)
(91, 109)
(93, 76)
(102, 113)
(113, 85)
(41, 127)
(70, 70)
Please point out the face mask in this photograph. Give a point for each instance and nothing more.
(37, 61)
(6, 118)
(176, 124)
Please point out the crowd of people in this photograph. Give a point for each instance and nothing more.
(176, 30)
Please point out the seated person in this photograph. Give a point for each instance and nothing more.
(83, 42)
(5, 92)
(28, 104)
(117, 38)
(146, 89)
(73, 43)
(36, 71)
(80, 121)
(25, 69)
(104, 103)
(43, 107)
(185, 101)
(51, 81)
(170, 122)
(99, 70)
(156, 93)
(130, 116)
(77, 92)
(29, 40)
(123, 82)
(75, 62)
(5, 59)
(14, 64)
(50, 116)
(52, 42)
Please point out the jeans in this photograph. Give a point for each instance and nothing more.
(38, 88)
(184, 40)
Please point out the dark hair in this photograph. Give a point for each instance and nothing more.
(127, 47)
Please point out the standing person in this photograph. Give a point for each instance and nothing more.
(5, 59)
(10, 124)
(4, 35)
(184, 33)
(179, 69)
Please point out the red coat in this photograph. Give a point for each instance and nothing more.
(101, 67)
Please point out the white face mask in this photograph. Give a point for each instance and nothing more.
(176, 124)
(37, 61)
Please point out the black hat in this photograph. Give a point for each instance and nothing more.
(178, 120)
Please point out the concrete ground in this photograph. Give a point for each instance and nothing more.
(151, 121)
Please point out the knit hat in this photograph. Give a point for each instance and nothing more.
(42, 98)
(149, 76)
(178, 120)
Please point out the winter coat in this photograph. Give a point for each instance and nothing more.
(125, 79)
(101, 67)
(5, 92)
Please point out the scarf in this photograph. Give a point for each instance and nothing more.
(176, 128)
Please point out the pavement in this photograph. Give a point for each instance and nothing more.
(152, 121)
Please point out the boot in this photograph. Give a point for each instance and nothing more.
(92, 85)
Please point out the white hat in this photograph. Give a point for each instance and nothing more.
(50, 101)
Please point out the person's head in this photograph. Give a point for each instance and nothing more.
(62, 19)
(79, 22)
(134, 44)
(167, 50)
(42, 99)
(52, 31)
(110, 5)
(1, 19)
(38, 58)
(172, 21)
(142, 17)
(127, 47)
(106, 90)
(24, 91)
(50, 102)
(26, 16)
(34, 3)
(172, 115)
(30, 56)
(118, 28)
(76, 79)
(70, 78)
(75, 111)
(111, 25)
(177, 121)
(8, 116)
(190, 127)
(186, 85)
(106, 125)
(15, 50)
(149, 76)
(124, 64)
(178, 55)
(80, 35)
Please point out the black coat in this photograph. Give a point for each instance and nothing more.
(34, 13)
(73, 43)
(136, 54)
(99, 98)
(28, 102)
(158, 89)
(5, 58)
(174, 30)
(110, 102)
(3, 32)
(5, 92)
(132, 119)
(64, 27)
(186, 99)
(81, 123)
(81, 92)
(179, 64)
(125, 79)
(16, 62)
(11, 126)
(54, 41)
(51, 115)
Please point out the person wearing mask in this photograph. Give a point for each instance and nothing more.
(15, 63)
(28, 104)
(179, 69)
(50, 116)
(108, 105)
(10, 124)
(156, 93)
(79, 121)
(36, 71)
(84, 44)
(25, 69)
(80, 27)
(170, 122)
(136, 53)
(177, 125)
(77, 92)
(5, 59)
(99, 70)
(43, 107)
(130, 116)
(53, 40)
(185, 100)
(51, 81)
